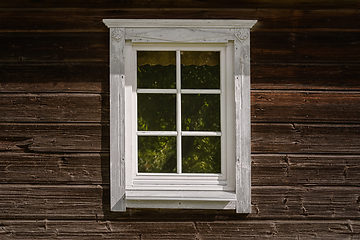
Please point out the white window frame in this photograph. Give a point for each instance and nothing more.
(130, 33)
(225, 181)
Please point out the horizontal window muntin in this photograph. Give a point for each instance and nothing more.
(183, 91)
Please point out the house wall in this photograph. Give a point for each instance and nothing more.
(54, 122)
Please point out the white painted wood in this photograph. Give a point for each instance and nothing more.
(167, 91)
(203, 134)
(188, 195)
(157, 133)
(155, 46)
(130, 110)
(181, 185)
(230, 116)
(178, 114)
(117, 124)
(196, 181)
(223, 115)
(242, 121)
(174, 181)
(181, 204)
(177, 187)
(201, 91)
(184, 181)
(179, 35)
(183, 91)
(182, 199)
(234, 34)
(197, 176)
(178, 23)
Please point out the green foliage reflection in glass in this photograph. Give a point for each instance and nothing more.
(200, 70)
(200, 112)
(157, 154)
(156, 70)
(201, 155)
(157, 112)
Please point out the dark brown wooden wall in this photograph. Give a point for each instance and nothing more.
(54, 122)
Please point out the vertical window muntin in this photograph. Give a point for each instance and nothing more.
(180, 178)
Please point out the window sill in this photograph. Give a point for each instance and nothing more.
(181, 199)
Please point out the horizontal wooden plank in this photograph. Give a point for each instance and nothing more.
(86, 77)
(305, 47)
(77, 20)
(312, 202)
(304, 138)
(92, 202)
(54, 168)
(267, 106)
(61, 202)
(76, 137)
(291, 106)
(267, 169)
(54, 107)
(93, 77)
(278, 229)
(302, 4)
(286, 170)
(54, 47)
(305, 76)
(266, 138)
(311, 47)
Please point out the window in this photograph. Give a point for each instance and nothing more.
(180, 114)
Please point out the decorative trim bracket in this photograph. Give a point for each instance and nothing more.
(242, 34)
(117, 34)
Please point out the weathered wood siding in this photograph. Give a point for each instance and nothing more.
(54, 122)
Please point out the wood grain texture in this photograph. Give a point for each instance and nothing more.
(323, 47)
(92, 202)
(266, 138)
(54, 107)
(311, 170)
(93, 168)
(242, 120)
(291, 106)
(80, 20)
(266, 106)
(295, 76)
(93, 77)
(76, 137)
(54, 165)
(85, 77)
(331, 229)
(117, 119)
(305, 138)
(54, 47)
(77, 168)
(302, 4)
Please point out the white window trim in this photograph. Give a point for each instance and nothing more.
(225, 181)
(181, 31)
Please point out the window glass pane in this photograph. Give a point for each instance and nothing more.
(156, 70)
(200, 70)
(201, 154)
(156, 112)
(200, 112)
(157, 154)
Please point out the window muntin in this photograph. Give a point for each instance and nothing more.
(192, 139)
